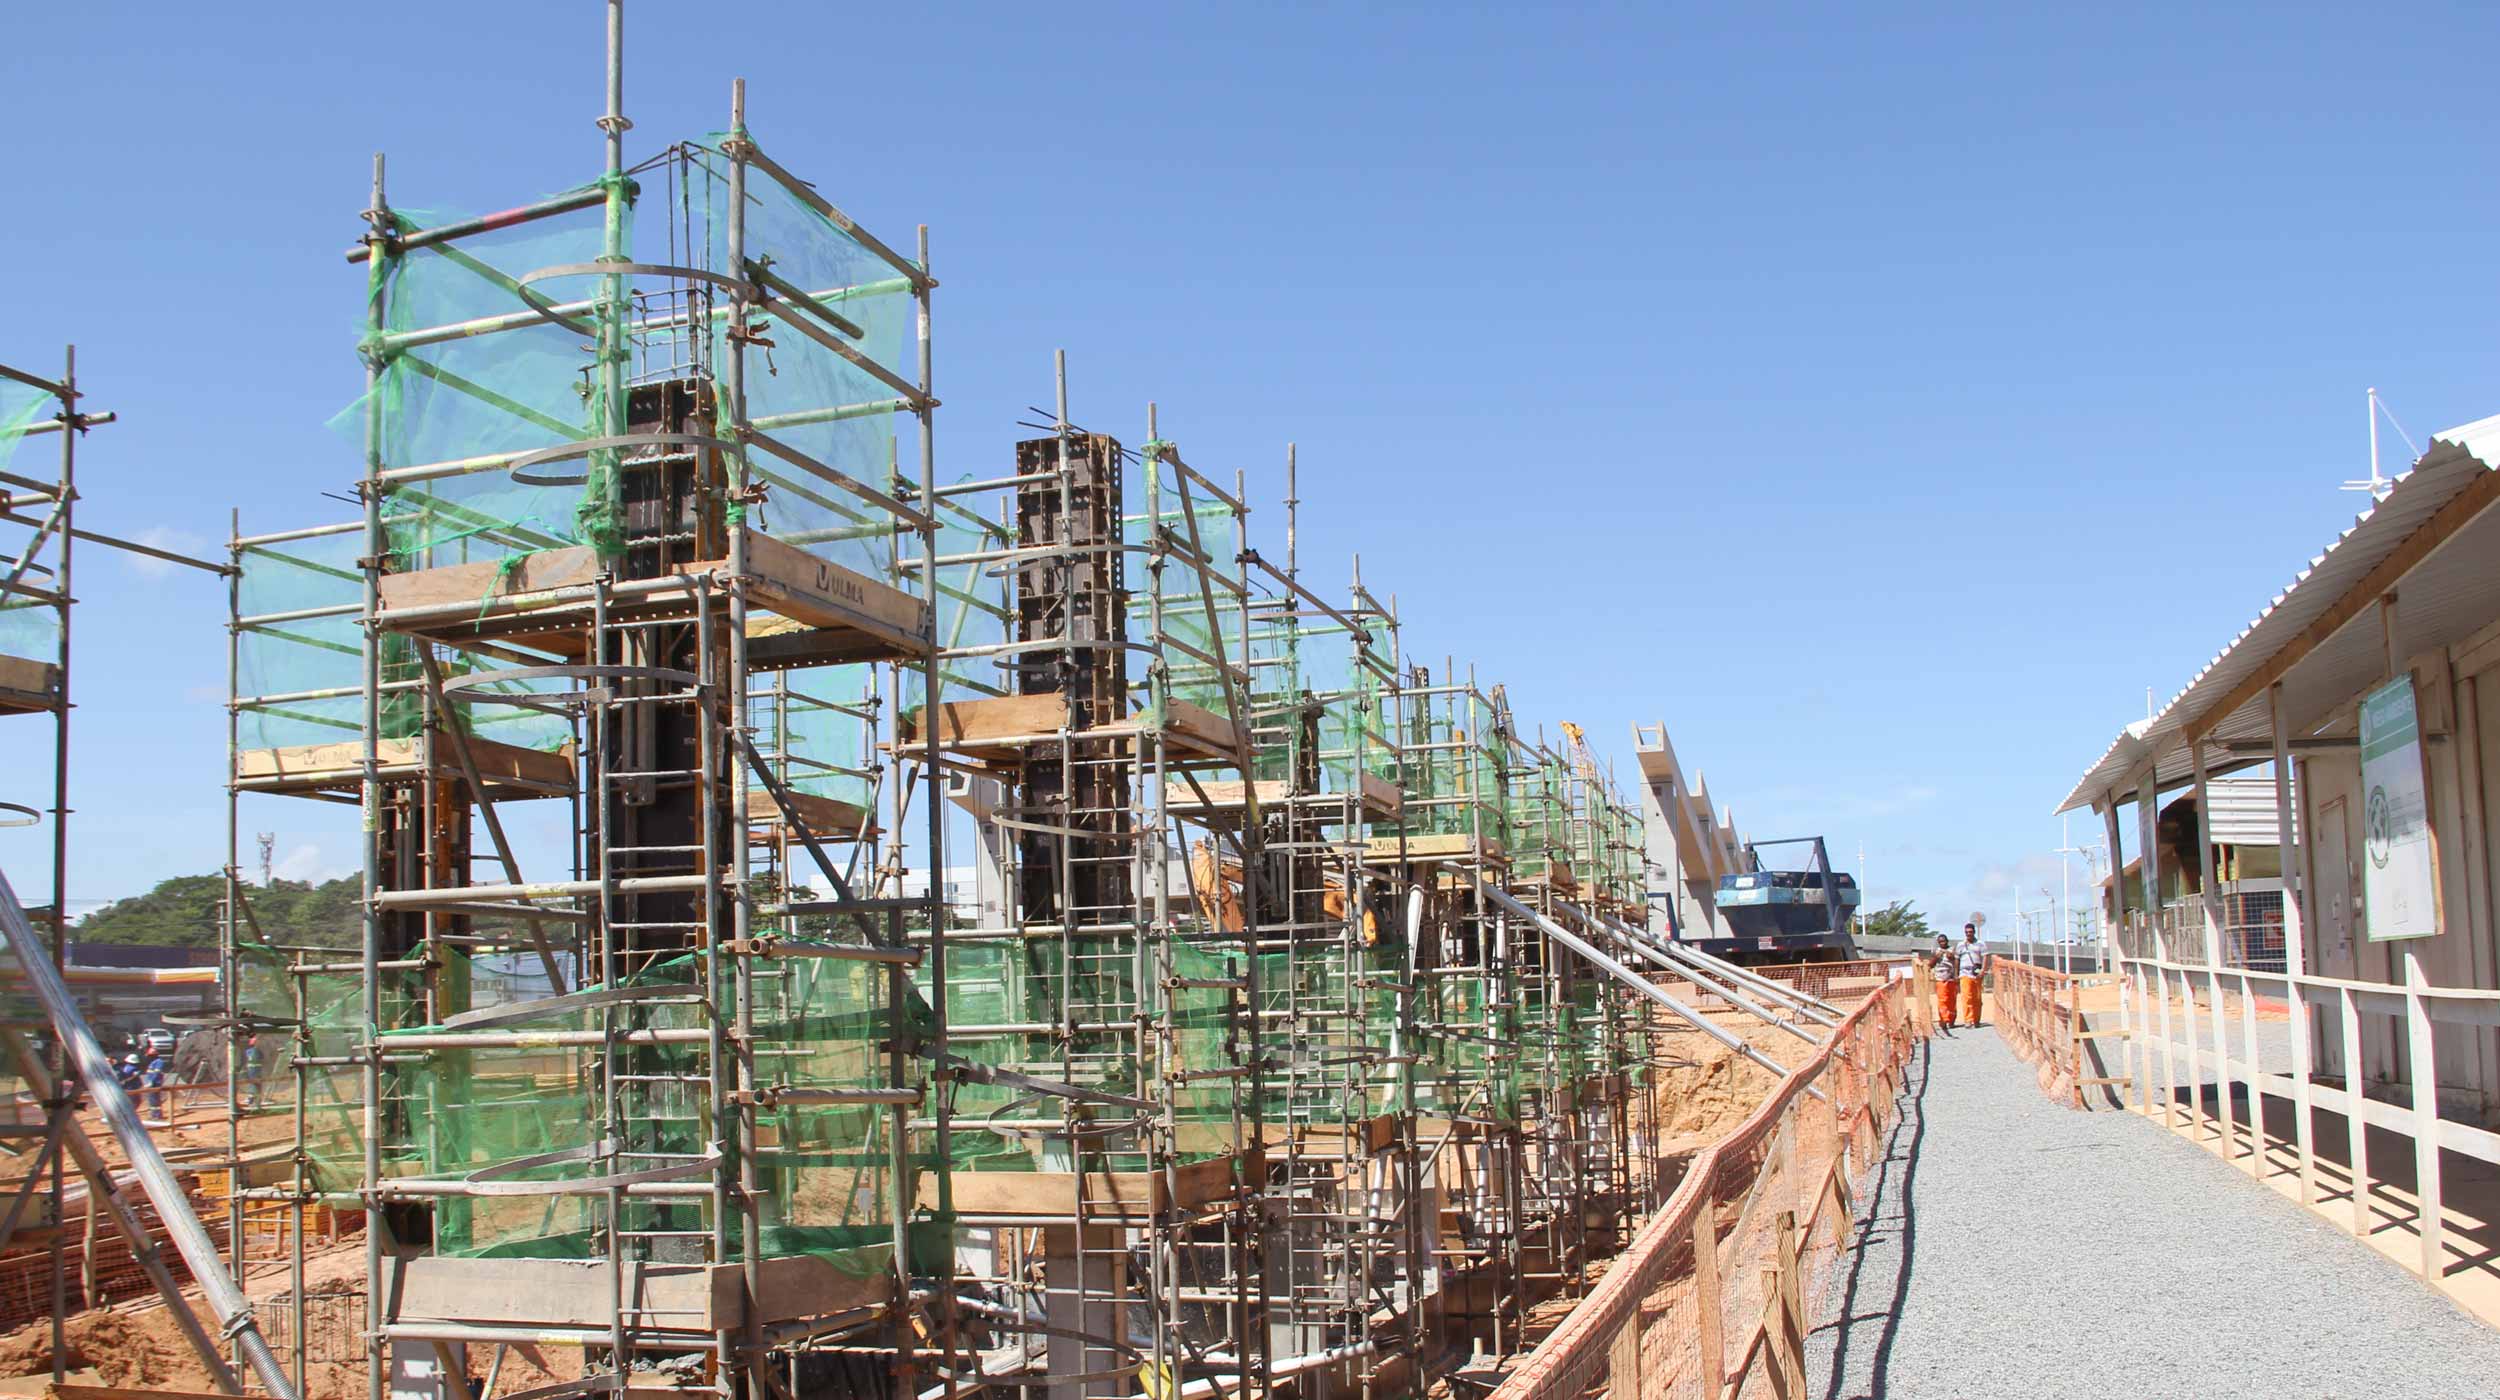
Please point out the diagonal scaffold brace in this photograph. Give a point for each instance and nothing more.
(173, 1205)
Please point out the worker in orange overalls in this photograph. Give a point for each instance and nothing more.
(1974, 961)
(1948, 972)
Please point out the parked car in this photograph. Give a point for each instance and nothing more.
(156, 1040)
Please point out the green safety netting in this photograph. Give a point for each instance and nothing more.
(29, 628)
(813, 726)
(1461, 1072)
(331, 1013)
(1456, 768)
(21, 407)
(298, 602)
(1298, 662)
(826, 1171)
(1338, 1070)
(292, 653)
(971, 603)
(1177, 599)
(1000, 995)
(444, 399)
(1537, 812)
(514, 341)
(800, 392)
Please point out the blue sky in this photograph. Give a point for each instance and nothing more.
(1982, 367)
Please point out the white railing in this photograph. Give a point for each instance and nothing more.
(2190, 1025)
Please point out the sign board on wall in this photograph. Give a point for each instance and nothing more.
(2399, 893)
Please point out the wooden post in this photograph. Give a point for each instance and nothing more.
(1789, 1307)
(2209, 901)
(2115, 912)
(2290, 841)
(2427, 1192)
(2422, 1064)
(1706, 1301)
(2357, 1127)
(2473, 837)
(1623, 1359)
(2256, 1081)
(2169, 1047)
(2130, 982)
(2074, 1040)
(2195, 1059)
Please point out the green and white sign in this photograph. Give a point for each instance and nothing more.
(2398, 891)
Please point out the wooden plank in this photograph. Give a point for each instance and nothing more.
(1453, 846)
(28, 686)
(820, 596)
(691, 1297)
(1199, 726)
(811, 589)
(308, 767)
(540, 572)
(979, 725)
(1133, 1196)
(1222, 796)
(830, 818)
(1381, 797)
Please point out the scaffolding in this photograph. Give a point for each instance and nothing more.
(649, 1076)
(34, 680)
(36, 607)
(661, 674)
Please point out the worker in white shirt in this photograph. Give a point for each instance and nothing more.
(1974, 961)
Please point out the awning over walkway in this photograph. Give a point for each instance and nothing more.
(2434, 531)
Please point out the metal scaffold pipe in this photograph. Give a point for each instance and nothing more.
(1700, 978)
(1814, 1008)
(173, 1205)
(1501, 899)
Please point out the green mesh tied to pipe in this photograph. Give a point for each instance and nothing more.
(314, 587)
(992, 984)
(22, 406)
(29, 628)
(826, 1171)
(333, 1029)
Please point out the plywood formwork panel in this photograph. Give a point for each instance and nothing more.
(511, 770)
(1135, 1196)
(537, 600)
(577, 1292)
(826, 818)
(28, 687)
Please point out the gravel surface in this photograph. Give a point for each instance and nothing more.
(2014, 1248)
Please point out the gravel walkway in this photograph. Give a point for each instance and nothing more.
(2021, 1250)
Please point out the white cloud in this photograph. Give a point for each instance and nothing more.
(308, 862)
(167, 538)
(1991, 888)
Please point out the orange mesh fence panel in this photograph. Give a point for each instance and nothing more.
(2039, 1016)
(1709, 1300)
(1840, 983)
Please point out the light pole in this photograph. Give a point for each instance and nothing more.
(2066, 918)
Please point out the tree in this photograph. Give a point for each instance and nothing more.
(1899, 919)
(183, 912)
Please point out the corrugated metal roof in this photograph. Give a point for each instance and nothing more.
(2242, 811)
(2430, 607)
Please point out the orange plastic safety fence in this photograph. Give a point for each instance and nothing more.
(2038, 1013)
(1711, 1296)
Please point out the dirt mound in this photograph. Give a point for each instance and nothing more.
(138, 1348)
